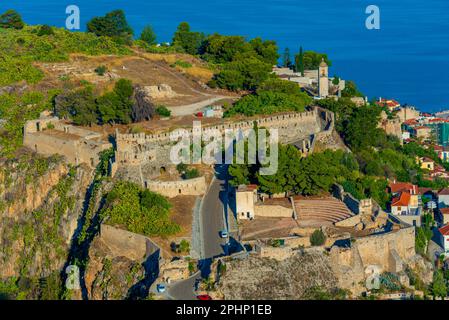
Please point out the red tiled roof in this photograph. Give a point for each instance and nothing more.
(410, 121)
(389, 103)
(402, 200)
(444, 230)
(438, 120)
(444, 210)
(422, 128)
(438, 148)
(403, 186)
(444, 192)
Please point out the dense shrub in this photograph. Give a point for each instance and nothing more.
(11, 19)
(163, 111)
(139, 211)
(317, 238)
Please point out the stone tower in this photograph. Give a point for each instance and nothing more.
(323, 79)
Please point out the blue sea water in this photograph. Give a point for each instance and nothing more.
(407, 59)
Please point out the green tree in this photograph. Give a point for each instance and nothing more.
(186, 40)
(78, 105)
(351, 90)
(148, 35)
(11, 19)
(300, 62)
(113, 25)
(287, 59)
(116, 106)
(163, 111)
(439, 287)
(317, 238)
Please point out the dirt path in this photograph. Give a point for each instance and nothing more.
(188, 109)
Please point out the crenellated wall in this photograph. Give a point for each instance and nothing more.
(154, 150)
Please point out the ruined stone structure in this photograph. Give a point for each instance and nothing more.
(388, 251)
(171, 189)
(391, 126)
(50, 135)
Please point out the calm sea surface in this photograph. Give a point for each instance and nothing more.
(407, 59)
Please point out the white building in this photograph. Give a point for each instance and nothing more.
(245, 198)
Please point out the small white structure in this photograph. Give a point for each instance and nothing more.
(245, 198)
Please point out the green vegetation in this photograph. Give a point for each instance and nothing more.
(187, 41)
(317, 238)
(148, 35)
(16, 110)
(182, 64)
(439, 285)
(84, 108)
(320, 293)
(243, 64)
(272, 96)
(11, 19)
(101, 70)
(310, 60)
(163, 111)
(424, 234)
(113, 25)
(139, 211)
(45, 30)
(20, 48)
(351, 90)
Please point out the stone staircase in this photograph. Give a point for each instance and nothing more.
(320, 211)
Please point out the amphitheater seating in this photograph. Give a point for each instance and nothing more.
(320, 211)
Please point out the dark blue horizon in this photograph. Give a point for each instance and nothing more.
(407, 59)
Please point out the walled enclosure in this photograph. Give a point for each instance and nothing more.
(50, 135)
(152, 152)
(171, 189)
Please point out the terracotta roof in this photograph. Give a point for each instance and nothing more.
(402, 200)
(403, 186)
(438, 148)
(389, 103)
(444, 192)
(444, 230)
(411, 121)
(426, 159)
(444, 210)
(422, 128)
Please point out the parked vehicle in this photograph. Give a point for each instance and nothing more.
(224, 234)
(204, 297)
(161, 288)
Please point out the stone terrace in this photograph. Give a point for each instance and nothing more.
(318, 211)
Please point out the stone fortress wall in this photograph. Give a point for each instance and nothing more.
(154, 150)
(171, 189)
(50, 135)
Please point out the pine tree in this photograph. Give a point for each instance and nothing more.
(301, 61)
(287, 61)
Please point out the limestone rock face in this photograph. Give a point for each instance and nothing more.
(122, 265)
(261, 278)
(40, 204)
(162, 91)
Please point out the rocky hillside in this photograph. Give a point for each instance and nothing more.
(262, 279)
(40, 203)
